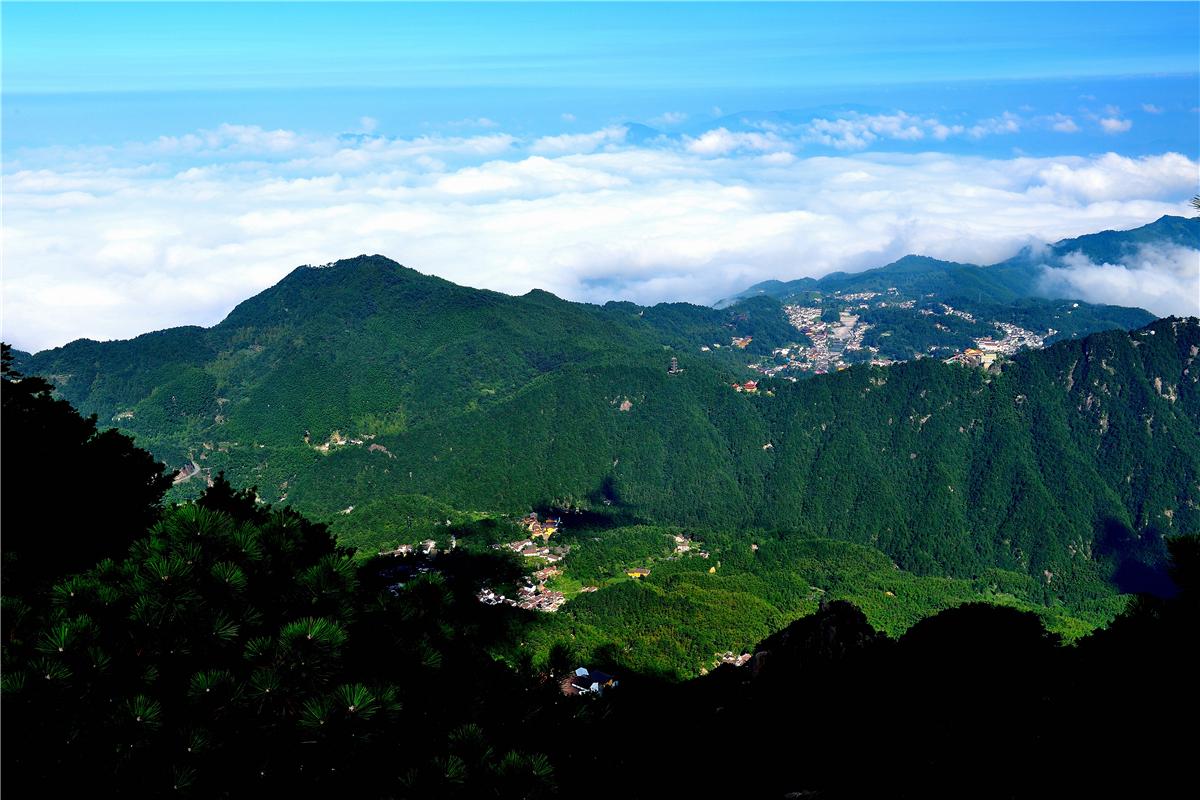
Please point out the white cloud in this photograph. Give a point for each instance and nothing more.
(1061, 123)
(1004, 124)
(1115, 124)
(368, 124)
(1150, 108)
(535, 176)
(579, 142)
(858, 131)
(163, 234)
(721, 141)
(1165, 279)
(567, 116)
(942, 132)
(1111, 178)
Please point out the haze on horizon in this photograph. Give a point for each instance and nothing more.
(161, 163)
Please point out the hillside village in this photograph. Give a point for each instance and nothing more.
(533, 594)
(836, 344)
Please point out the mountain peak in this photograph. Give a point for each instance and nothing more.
(358, 268)
(363, 260)
(913, 261)
(360, 262)
(344, 288)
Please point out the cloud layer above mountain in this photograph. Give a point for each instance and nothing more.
(109, 242)
(1164, 278)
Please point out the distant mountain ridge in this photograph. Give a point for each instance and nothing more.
(1008, 280)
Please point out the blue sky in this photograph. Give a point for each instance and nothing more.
(163, 161)
(105, 47)
(179, 66)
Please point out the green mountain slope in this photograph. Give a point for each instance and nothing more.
(348, 385)
(359, 349)
(1113, 247)
(1087, 445)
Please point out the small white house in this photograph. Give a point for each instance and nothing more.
(592, 681)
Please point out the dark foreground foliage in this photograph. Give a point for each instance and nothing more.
(237, 653)
(978, 701)
(228, 649)
(69, 489)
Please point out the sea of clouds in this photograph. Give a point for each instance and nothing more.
(109, 242)
(1164, 278)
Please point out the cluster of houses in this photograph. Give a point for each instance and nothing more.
(728, 657)
(587, 681)
(532, 596)
(972, 357)
(858, 297)
(539, 598)
(1015, 338)
(987, 349)
(951, 311)
(531, 549)
(748, 386)
(741, 342)
(538, 528)
(336, 439)
(685, 546)
(186, 472)
(829, 340)
(546, 573)
(426, 548)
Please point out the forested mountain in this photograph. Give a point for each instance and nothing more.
(1087, 445)
(364, 347)
(225, 647)
(1116, 247)
(1009, 280)
(347, 386)
(367, 346)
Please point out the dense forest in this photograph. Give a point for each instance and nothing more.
(677, 620)
(392, 406)
(1066, 466)
(226, 648)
